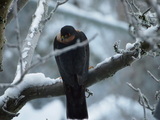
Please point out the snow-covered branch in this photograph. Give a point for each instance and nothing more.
(32, 38)
(155, 6)
(15, 97)
(39, 20)
(25, 86)
(145, 28)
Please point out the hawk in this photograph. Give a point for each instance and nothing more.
(73, 67)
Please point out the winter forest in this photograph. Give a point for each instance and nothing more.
(124, 74)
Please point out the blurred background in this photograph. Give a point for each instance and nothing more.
(112, 99)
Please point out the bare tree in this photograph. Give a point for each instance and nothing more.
(143, 28)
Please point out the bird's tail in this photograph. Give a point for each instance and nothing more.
(76, 102)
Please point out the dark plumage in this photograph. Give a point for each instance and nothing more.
(73, 67)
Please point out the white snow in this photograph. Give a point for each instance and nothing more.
(129, 46)
(25, 52)
(30, 80)
(150, 32)
(18, 74)
(116, 56)
(38, 17)
(29, 43)
(108, 59)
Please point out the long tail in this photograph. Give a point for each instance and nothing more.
(76, 102)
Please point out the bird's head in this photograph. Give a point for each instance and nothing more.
(67, 33)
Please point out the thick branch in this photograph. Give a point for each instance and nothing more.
(4, 8)
(32, 38)
(103, 70)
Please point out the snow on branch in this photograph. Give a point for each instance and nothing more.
(144, 25)
(38, 86)
(155, 6)
(32, 38)
(39, 20)
(145, 28)
(15, 95)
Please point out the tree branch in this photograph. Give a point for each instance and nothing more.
(30, 43)
(103, 70)
(20, 5)
(154, 5)
(32, 38)
(4, 8)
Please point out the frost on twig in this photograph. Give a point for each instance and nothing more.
(54, 53)
(155, 6)
(54, 10)
(32, 38)
(157, 96)
(20, 5)
(144, 26)
(143, 101)
(157, 80)
(31, 89)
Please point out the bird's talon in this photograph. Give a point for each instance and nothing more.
(90, 67)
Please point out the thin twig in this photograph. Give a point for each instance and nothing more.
(135, 6)
(132, 11)
(154, 5)
(10, 113)
(126, 13)
(53, 11)
(153, 76)
(157, 95)
(11, 45)
(18, 35)
(146, 11)
(5, 85)
(143, 101)
(117, 49)
(55, 53)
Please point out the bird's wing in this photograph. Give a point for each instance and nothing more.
(65, 64)
(73, 65)
(83, 59)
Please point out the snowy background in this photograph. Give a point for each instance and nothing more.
(112, 99)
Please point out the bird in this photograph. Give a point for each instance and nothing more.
(73, 68)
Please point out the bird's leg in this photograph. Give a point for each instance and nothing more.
(89, 93)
